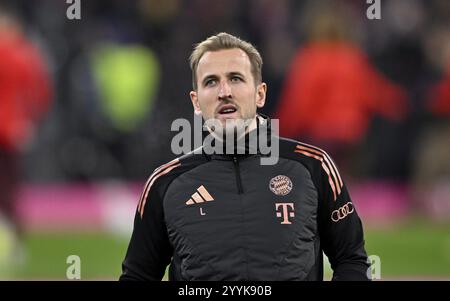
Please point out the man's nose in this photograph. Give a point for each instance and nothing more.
(224, 91)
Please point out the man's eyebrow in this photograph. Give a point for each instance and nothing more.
(235, 73)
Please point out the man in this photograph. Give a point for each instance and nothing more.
(229, 217)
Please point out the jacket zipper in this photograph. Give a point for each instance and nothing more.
(241, 191)
(238, 175)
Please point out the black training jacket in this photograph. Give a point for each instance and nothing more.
(227, 217)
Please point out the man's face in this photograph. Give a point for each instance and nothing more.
(226, 88)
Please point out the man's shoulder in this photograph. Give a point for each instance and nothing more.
(303, 152)
(179, 165)
(162, 176)
(318, 162)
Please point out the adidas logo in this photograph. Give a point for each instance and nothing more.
(201, 196)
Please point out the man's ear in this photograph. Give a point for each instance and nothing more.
(195, 104)
(261, 91)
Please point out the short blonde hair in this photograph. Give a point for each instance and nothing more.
(222, 41)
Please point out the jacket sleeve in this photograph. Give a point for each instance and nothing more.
(149, 251)
(341, 230)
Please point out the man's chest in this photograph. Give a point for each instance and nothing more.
(225, 200)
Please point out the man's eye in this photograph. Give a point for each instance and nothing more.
(210, 82)
(236, 79)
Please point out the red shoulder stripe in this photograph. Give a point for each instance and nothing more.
(162, 170)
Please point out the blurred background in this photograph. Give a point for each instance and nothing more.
(86, 107)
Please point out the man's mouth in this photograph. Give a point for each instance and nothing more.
(227, 110)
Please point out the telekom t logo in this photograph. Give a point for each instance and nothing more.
(285, 212)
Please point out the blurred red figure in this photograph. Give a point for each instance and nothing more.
(440, 97)
(331, 93)
(431, 167)
(25, 95)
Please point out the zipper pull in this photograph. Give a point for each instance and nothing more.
(238, 175)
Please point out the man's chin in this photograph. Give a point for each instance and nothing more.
(224, 118)
(234, 122)
(229, 124)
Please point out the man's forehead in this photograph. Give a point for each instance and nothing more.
(227, 60)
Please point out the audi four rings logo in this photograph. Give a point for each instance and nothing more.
(342, 212)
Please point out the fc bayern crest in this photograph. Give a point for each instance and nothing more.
(280, 185)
